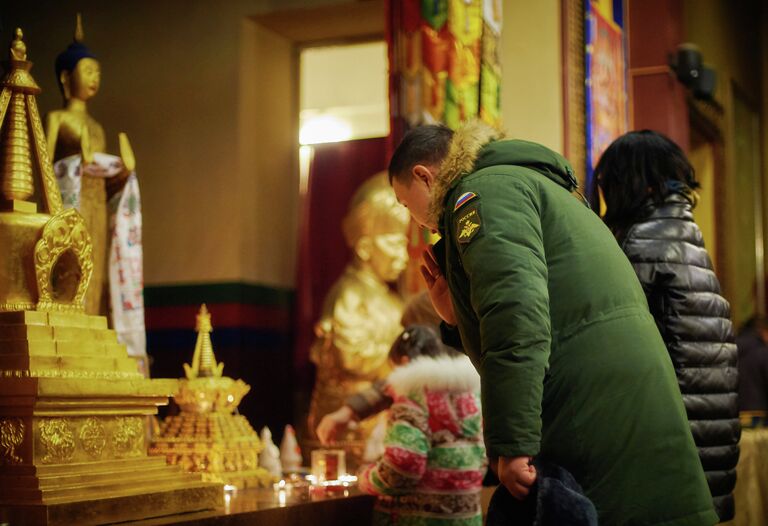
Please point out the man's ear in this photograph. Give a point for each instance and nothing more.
(423, 173)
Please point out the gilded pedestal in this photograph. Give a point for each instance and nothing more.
(207, 437)
(73, 405)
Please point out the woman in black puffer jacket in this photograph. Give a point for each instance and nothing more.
(648, 186)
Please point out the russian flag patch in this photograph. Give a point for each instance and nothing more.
(463, 199)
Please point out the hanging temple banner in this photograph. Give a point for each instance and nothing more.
(606, 83)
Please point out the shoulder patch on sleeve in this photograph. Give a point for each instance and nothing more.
(468, 224)
(463, 199)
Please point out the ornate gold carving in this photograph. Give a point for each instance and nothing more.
(11, 437)
(20, 78)
(12, 307)
(65, 245)
(93, 437)
(58, 440)
(5, 98)
(50, 186)
(127, 437)
(62, 373)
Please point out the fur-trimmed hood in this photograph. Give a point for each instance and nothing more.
(477, 145)
(444, 373)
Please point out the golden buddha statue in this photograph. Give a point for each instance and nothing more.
(361, 315)
(72, 131)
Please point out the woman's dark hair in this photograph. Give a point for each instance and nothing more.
(419, 340)
(636, 167)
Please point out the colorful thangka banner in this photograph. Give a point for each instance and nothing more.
(444, 61)
(444, 68)
(606, 82)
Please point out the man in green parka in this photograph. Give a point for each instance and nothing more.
(551, 314)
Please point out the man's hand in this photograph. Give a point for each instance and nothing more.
(332, 423)
(517, 474)
(438, 287)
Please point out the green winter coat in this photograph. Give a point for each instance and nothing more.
(552, 315)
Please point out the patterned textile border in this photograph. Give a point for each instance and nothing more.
(243, 314)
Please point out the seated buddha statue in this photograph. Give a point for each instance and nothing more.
(361, 315)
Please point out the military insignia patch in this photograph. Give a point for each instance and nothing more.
(463, 199)
(468, 225)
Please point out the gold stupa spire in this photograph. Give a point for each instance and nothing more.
(22, 144)
(203, 361)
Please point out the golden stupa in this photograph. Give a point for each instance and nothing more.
(73, 405)
(207, 437)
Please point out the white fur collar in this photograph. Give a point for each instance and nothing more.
(444, 373)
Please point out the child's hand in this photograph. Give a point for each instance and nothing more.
(517, 474)
(334, 423)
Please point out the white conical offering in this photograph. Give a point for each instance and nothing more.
(269, 458)
(290, 453)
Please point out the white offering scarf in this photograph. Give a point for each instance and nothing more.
(126, 268)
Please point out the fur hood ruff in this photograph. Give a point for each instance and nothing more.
(444, 373)
(465, 146)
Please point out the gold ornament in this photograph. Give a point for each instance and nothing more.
(57, 439)
(93, 437)
(128, 439)
(63, 263)
(206, 437)
(11, 437)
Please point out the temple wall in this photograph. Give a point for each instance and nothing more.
(532, 88)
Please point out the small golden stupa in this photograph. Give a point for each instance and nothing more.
(206, 437)
(73, 405)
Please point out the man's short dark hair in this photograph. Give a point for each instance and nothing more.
(426, 144)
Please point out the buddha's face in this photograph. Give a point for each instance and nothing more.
(83, 82)
(388, 255)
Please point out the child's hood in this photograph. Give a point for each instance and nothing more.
(443, 373)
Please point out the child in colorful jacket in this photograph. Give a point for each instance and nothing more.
(434, 459)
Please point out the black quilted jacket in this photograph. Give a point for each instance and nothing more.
(667, 251)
